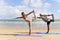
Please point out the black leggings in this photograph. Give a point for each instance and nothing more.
(48, 25)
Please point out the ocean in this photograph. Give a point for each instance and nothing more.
(16, 23)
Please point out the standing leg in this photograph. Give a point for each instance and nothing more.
(29, 26)
(48, 27)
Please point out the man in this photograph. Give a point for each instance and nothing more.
(47, 20)
(25, 17)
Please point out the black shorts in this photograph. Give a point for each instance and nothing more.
(48, 22)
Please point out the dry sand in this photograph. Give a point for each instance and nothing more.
(16, 34)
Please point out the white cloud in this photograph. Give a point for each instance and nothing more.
(58, 11)
(46, 6)
(2, 2)
(24, 8)
(7, 11)
(25, 2)
(57, 1)
(36, 3)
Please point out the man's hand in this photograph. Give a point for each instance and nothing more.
(53, 17)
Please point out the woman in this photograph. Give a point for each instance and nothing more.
(25, 17)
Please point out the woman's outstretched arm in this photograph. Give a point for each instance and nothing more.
(18, 17)
(30, 13)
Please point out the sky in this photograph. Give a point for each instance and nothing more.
(12, 8)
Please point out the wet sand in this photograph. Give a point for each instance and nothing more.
(22, 34)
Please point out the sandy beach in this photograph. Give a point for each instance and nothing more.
(22, 34)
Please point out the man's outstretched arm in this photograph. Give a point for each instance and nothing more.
(45, 14)
(49, 15)
(39, 17)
